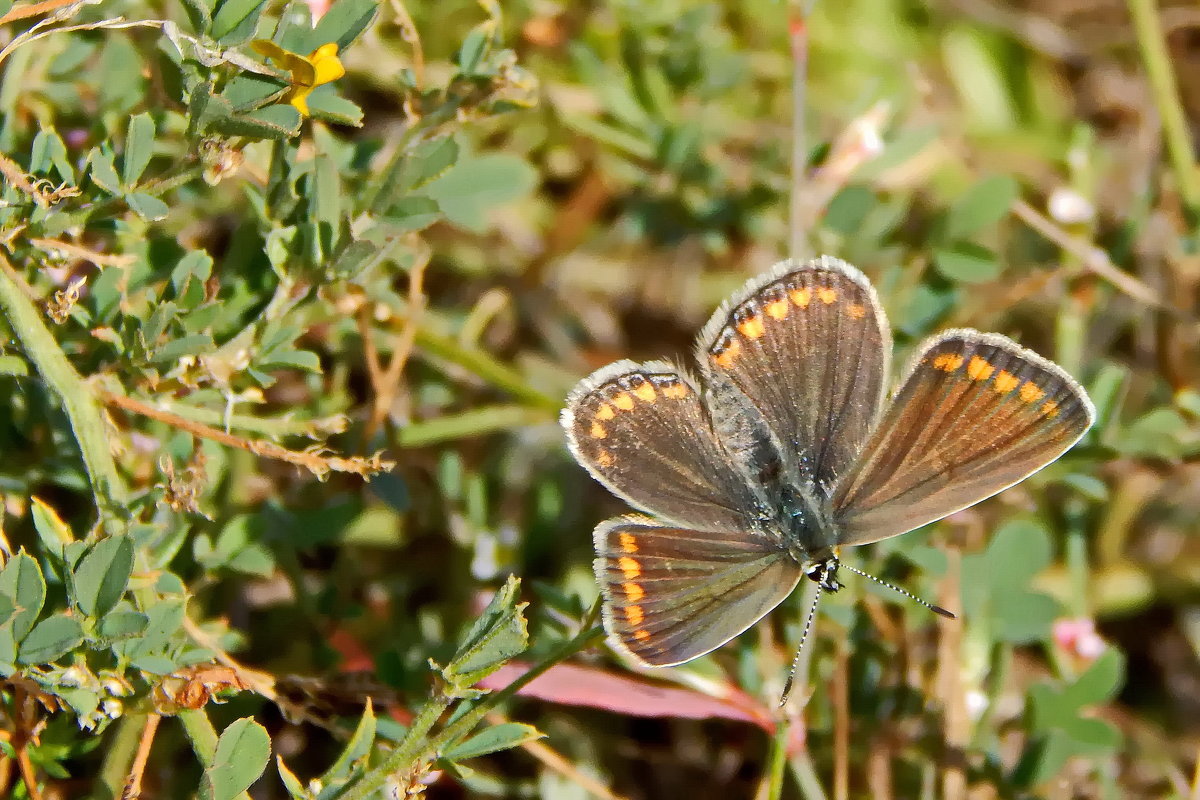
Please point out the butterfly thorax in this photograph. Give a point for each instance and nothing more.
(805, 524)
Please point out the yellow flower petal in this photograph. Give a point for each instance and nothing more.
(319, 67)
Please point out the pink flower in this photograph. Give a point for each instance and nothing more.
(318, 8)
(1078, 637)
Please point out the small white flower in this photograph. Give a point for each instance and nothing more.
(1069, 207)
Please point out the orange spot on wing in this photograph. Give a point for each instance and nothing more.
(1050, 409)
(641, 635)
(726, 357)
(598, 431)
(1031, 392)
(634, 615)
(752, 328)
(801, 297)
(623, 401)
(856, 311)
(826, 295)
(628, 542)
(630, 567)
(633, 593)
(605, 413)
(646, 393)
(979, 370)
(675, 390)
(1005, 382)
(777, 309)
(605, 458)
(948, 362)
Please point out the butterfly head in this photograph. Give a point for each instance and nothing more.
(823, 572)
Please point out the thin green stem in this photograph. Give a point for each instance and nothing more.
(1148, 29)
(80, 404)
(778, 759)
(417, 746)
(203, 736)
(200, 733)
(486, 367)
(798, 30)
(470, 423)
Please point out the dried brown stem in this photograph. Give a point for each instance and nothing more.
(133, 784)
(386, 382)
(840, 696)
(316, 462)
(99, 259)
(1093, 258)
(25, 719)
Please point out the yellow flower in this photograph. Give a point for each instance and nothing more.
(308, 72)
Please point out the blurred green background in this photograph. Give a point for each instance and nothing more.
(615, 170)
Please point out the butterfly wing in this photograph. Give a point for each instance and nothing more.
(672, 594)
(807, 346)
(976, 414)
(643, 432)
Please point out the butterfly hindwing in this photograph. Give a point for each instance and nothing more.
(807, 346)
(976, 414)
(643, 432)
(672, 594)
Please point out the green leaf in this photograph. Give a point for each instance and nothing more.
(966, 262)
(984, 204)
(199, 14)
(1023, 617)
(165, 619)
(102, 575)
(147, 206)
(413, 213)
(50, 639)
(504, 736)
(430, 160)
(470, 53)
(848, 209)
(474, 187)
(123, 624)
(327, 105)
(235, 20)
(240, 758)
(344, 22)
(22, 583)
(1100, 682)
(102, 172)
(290, 782)
(499, 634)
(49, 151)
(183, 346)
(53, 532)
(357, 748)
(139, 147)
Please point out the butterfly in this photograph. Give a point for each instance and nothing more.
(785, 448)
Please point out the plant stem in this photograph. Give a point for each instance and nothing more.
(203, 736)
(778, 759)
(118, 756)
(486, 367)
(417, 747)
(200, 733)
(475, 422)
(1148, 29)
(80, 404)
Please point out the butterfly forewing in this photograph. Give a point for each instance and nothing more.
(672, 594)
(642, 431)
(807, 345)
(976, 414)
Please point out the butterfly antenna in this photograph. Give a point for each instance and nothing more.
(935, 609)
(791, 678)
